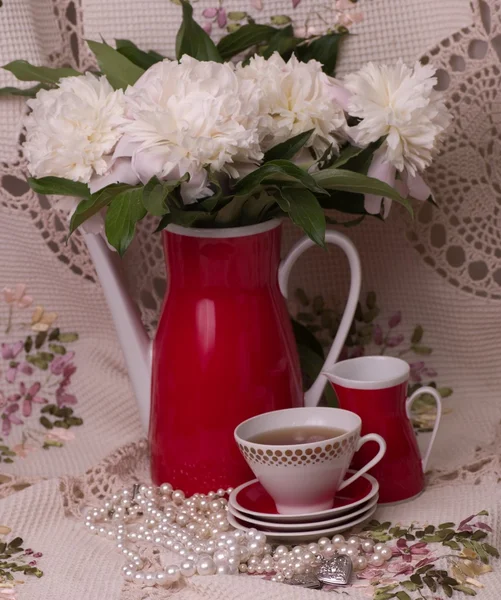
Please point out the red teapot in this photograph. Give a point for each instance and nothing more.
(224, 350)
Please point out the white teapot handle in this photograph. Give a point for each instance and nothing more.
(312, 396)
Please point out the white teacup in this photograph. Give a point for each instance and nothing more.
(304, 478)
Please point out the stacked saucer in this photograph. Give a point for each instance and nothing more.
(250, 506)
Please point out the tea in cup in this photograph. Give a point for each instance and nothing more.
(301, 455)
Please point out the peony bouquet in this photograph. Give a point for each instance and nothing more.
(205, 141)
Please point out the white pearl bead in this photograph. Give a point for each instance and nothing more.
(223, 570)
(281, 551)
(150, 579)
(206, 566)
(308, 557)
(329, 551)
(378, 547)
(138, 577)
(267, 549)
(352, 552)
(188, 568)
(298, 567)
(260, 538)
(343, 549)
(297, 551)
(165, 488)
(288, 573)
(173, 573)
(323, 541)
(255, 548)
(338, 539)
(221, 557)
(354, 541)
(129, 574)
(386, 553)
(376, 560)
(221, 492)
(360, 563)
(367, 546)
(178, 496)
(242, 568)
(161, 578)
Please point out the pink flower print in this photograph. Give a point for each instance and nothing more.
(17, 296)
(59, 434)
(10, 351)
(394, 340)
(407, 552)
(58, 364)
(63, 398)
(207, 27)
(22, 450)
(29, 396)
(400, 568)
(416, 371)
(257, 4)
(395, 320)
(215, 14)
(9, 418)
(426, 561)
(371, 573)
(16, 368)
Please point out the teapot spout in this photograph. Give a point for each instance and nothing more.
(132, 335)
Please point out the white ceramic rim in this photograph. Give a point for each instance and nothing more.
(320, 515)
(303, 526)
(225, 232)
(313, 409)
(390, 372)
(305, 536)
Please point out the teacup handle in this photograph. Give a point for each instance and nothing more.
(438, 398)
(370, 437)
(312, 396)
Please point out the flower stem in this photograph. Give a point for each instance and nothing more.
(9, 320)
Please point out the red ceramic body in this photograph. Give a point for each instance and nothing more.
(400, 472)
(224, 352)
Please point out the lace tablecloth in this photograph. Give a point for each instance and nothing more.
(439, 274)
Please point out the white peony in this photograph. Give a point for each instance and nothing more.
(184, 117)
(296, 97)
(71, 129)
(398, 102)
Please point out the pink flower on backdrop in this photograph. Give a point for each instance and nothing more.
(257, 4)
(395, 320)
(407, 552)
(29, 396)
(58, 364)
(59, 434)
(218, 14)
(10, 351)
(9, 418)
(17, 296)
(400, 568)
(371, 574)
(419, 369)
(426, 561)
(394, 340)
(207, 27)
(22, 450)
(15, 369)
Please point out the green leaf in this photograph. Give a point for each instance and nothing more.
(16, 542)
(40, 339)
(491, 550)
(324, 49)
(283, 170)
(349, 181)
(304, 337)
(190, 218)
(236, 15)
(483, 513)
(479, 535)
(423, 350)
(466, 590)
(417, 334)
(283, 41)
(57, 349)
(447, 590)
(28, 344)
(191, 39)
(416, 579)
(38, 362)
(431, 538)
(445, 392)
(155, 194)
(452, 544)
(125, 210)
(288, 149)
(66, 338)
(430, 582)
(59, 186)
(245, 37)
(305, 211)
(119, 70)
(24, 71)
(140, 58)
(346, 155)
(98, 201)
(409, 585)
(385, 596)
(403, 596)
(26, 92)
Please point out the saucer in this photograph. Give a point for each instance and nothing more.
(311, 525)
(252, 499)
(291, 537)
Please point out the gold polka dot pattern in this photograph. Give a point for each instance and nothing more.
(299, 457)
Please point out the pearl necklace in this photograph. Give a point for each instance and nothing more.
(197, 529)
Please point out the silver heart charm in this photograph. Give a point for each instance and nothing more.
(307, 581)
(335, 571)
